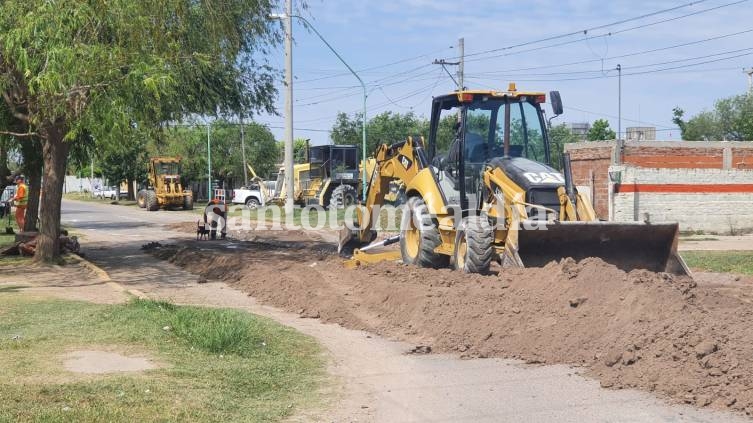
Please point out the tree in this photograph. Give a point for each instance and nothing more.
(384, 128)
(731, 120)
(190, 143)
(600, 131)
(73, 67)
(126, 161)
(560, 135)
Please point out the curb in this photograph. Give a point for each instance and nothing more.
(102, 274)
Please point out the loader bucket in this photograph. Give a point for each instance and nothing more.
(628, 245)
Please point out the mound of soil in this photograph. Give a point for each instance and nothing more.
(643, 330)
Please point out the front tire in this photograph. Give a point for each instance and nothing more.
(419, 236)
(151, 201)
(141, 198)
(342, 197)
(474, 245)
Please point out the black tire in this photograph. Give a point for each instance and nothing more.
(420, 236)
(474, 245)
(343, 196)
(252, 203)
(141, 198)
(188, 202)
(151, 201)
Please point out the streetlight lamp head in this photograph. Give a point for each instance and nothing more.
(277, 16)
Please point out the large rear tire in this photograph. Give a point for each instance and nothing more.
(151, 201)
(343, 196)
(420, 236)
(474, 247)
(188, 202)
(141, 198)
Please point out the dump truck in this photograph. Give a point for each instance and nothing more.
(483, 189)
(164, 189)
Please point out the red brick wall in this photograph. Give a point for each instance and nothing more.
(595, 158)
(674, 158)
(742, 158)
(588, 163)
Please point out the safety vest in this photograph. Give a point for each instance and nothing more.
(22, 194)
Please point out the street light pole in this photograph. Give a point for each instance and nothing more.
(286, 18)
(209, 165)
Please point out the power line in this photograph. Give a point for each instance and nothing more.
(633, 73)
(608, 34)
(633, 67)
(586, 30)
(638, 53)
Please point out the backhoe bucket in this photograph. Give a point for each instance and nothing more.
(630, 245)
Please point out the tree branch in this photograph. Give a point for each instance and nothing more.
(14, 111)
(19, 134)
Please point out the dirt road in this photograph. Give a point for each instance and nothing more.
(379, 381)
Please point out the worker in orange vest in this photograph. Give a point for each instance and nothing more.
(21, 200)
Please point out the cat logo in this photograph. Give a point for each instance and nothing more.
(406, 162)
(545, 177)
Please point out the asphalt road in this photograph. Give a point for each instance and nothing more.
(379, 382)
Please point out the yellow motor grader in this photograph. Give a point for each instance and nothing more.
(483, 189)
(164, 189)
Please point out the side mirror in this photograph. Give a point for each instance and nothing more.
(556, 102)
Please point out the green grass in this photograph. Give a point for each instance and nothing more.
(740, 262)
(216, 364)
(6, 240)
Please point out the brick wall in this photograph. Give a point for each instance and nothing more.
(590, 164)
(706, 186)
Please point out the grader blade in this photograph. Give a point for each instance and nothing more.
(629, 246)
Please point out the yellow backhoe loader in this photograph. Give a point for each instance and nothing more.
(482, 189)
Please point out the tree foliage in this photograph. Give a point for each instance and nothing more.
(75, 67)
(384, 128)
(560, 135)
(190, 143)
(600, 131)
(731, 120)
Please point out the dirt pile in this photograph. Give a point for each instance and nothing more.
(639, 329)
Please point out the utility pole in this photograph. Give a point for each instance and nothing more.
(243, 154)
(619, 101)
(461, 65)
(749, 71)
(290, 189)
(209, 164)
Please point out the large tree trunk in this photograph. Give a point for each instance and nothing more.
(131, 193)
(4, 171)
(32, 152)
(55, 156)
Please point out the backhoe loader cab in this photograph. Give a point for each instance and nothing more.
(508, 130)
(482, 189)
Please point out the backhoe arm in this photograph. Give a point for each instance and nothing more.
(400, 161)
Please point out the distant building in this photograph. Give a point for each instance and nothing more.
(579, 129)
(641, 133)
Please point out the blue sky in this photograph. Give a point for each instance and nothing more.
(371, 34)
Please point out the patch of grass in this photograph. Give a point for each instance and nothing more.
(206, 374)
(740, 262)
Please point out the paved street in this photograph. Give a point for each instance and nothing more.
(378, 382)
